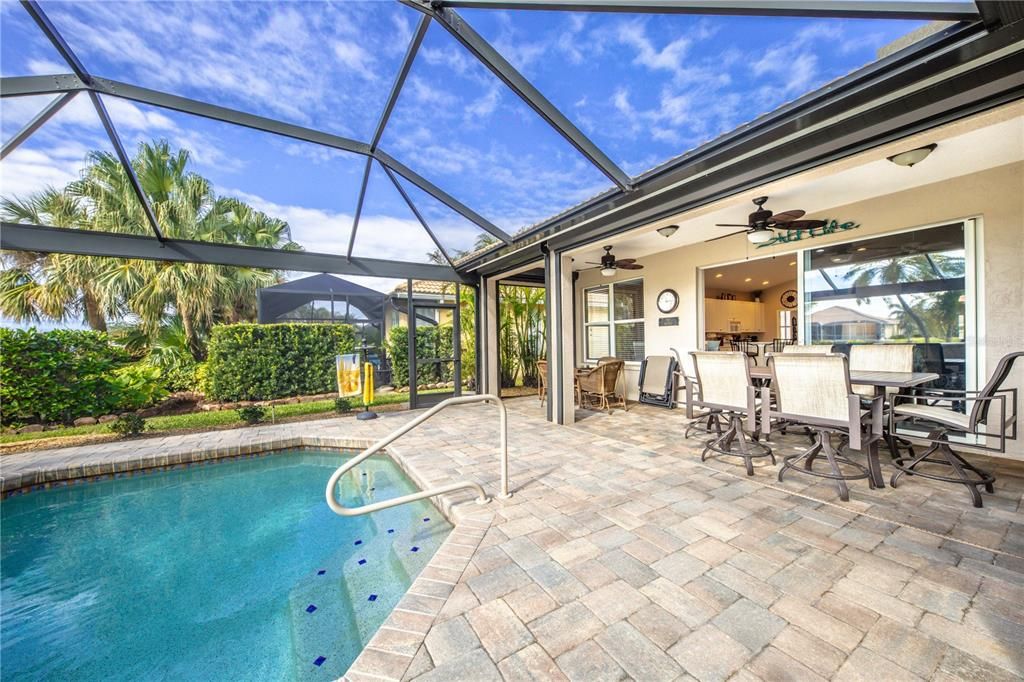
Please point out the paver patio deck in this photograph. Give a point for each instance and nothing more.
(622, 556)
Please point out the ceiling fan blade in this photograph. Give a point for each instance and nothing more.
(804, 224)
(730, 225)
(629, 266)
(726, 235)
(625, 261)
(590, 262)
(787, 216)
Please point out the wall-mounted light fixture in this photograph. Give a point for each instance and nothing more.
(914, 156)
(667, 230)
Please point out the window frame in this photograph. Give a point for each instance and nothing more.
(611, 322)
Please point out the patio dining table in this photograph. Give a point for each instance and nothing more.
(869, 378)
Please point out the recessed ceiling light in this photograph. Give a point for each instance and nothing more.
(764, 282)
(862, 248)
(718, 275)
(820, 251)
(747, 279)
(792, 262)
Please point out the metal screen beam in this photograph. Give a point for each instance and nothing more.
(21, 86)
(54, 36)
(848, 9)
(508, 74)
(442, 196)
(18, 237)
(126, 162)
(403, 73)
(415, 211)
(359, 207)
(217, 113)
(42, 117)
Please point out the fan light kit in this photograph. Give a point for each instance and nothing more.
(609, 265)
(914, 156)
(762, 222)
(667, 230)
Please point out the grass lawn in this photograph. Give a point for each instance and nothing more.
(197, 421)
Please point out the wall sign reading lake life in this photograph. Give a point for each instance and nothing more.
(788, 236)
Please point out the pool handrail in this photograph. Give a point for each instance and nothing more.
(482, 498)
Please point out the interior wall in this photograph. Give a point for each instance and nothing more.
(995, 195)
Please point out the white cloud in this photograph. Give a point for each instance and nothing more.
(47, 67)
(354, 57)
(669, 58)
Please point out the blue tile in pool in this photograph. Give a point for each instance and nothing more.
(425, 519)
(362, 561)
(391, 530)
(357, 543)
(373, 597)
(415, 549)
(127, 630)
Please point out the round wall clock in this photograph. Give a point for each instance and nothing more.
(668, 300)
(788, 298)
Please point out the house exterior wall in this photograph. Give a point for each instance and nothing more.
(994, 196)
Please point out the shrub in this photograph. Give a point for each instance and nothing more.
(342, 405)
(252, 414)
(431, 342)
(128, 425)
(266, 361)
(57, 376)
(182, 377)
(138, 385)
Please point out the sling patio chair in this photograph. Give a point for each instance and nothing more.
(814, 390)
(723, 384)
(883, 357)
(978, 421)
(658, 381)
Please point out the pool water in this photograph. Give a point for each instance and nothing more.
(232, 570)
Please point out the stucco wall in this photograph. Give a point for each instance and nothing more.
(996, 196)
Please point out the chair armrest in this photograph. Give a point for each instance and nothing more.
(751, 408)
(690, 383)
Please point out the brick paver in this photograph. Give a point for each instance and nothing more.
(621, 555)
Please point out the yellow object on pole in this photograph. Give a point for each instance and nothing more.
(368, 384)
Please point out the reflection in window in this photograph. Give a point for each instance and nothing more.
(902, 288)
(622, 332)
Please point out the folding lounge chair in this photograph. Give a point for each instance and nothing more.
(658, 380)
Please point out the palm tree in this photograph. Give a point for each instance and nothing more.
(897, 270)
(36, 286)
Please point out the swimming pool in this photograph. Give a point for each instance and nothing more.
(230, 570)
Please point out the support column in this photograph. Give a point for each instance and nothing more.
(561, 344)
(487, 303)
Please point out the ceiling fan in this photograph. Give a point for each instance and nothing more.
(609, 264)
(762, 221)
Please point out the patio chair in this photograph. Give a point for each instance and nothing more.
(598, 384)
(805, 349)
(948, 420)
(723, 384)
(779, 345)
(542, 380)
(658, 381)
(815, 390)
(883, 357)
(748, 347)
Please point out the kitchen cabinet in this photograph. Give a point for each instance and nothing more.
(733, 317)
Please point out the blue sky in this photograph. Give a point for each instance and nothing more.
(644, 88)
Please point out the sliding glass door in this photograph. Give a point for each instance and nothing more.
(908, 287)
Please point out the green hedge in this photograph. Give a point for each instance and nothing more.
(431, 342)
(58, 376)
(267, 361)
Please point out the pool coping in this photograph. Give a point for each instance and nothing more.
(393, 646)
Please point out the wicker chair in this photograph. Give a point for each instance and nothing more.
(598, 384)
(815, 390)
(542, 380)
(723, 385)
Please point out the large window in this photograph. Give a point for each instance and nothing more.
(908, 287)
(614, 321)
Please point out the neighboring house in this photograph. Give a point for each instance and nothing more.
(425, 293)
(837, 323)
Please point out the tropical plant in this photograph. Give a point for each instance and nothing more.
(128, 425)
(252, 414)
(60, 286)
